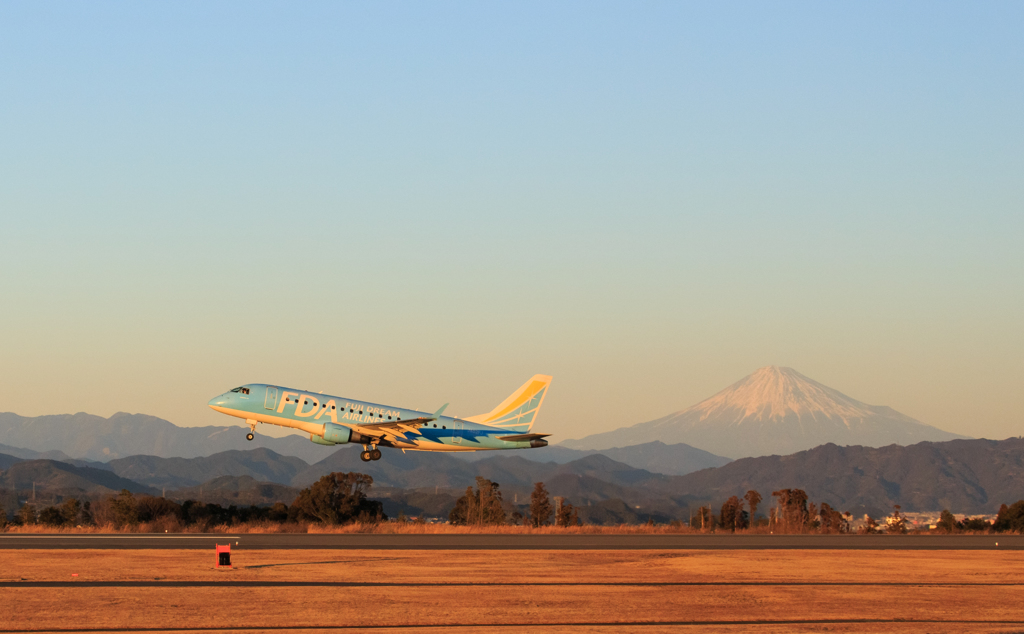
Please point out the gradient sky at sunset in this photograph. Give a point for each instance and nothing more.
(417, 203)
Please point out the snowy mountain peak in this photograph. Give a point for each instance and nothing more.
(772, 393)
(775, 410)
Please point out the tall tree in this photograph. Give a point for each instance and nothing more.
(491, 508)
(947, 522)
(151, 508)
(27, 515)
(338, 498)
(1010, 518)
(567, 516)
(832, 521)
(482, 507)
(705, 518)
(51, 516)
(124, 510)
(464, 511)
(812, 516)
(71, 511)
(540, 506)
(753, 498)
(792, 512)
(732, 515)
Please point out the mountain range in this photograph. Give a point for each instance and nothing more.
(64, 479)
(773, 411)
(88, 437)
(677, 459)
(966, 476)
(87, 440)
(260, 464)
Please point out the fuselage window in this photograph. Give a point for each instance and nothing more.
(444, 427)
(360, 412)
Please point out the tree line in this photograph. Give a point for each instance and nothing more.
(794, 513)
(485, 507)
(340, 498)
(336, 498)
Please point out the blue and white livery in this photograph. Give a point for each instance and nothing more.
(333, 420)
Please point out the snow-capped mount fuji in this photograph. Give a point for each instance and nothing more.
(773, 411)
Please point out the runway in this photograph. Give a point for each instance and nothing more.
(496, 584)
(777, 591)
(287, 541)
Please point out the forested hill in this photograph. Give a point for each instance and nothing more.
(970, 476)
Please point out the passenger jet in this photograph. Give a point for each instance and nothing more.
(333, 420)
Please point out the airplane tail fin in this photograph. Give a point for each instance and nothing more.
(519, 411)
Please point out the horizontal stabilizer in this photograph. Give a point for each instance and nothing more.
(523, 437)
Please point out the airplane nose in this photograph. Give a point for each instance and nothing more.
(218, 401)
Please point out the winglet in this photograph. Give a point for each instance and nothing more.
(438, 413)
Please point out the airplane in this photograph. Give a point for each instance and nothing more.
(333, 420)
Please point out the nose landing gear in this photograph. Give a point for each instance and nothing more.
(252, 429)
(250, 436)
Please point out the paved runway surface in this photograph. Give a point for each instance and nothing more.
(520, 542)
(502, 584)
(745, 625)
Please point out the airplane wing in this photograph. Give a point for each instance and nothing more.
(395, 430)
(391, 429)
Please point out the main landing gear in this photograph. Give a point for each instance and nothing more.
(369, 454)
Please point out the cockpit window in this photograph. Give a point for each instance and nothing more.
(243, 390)
(237, 389)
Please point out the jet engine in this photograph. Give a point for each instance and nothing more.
(339, 435)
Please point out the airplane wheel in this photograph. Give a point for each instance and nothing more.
(249, 436)
(375, 454)
(365, 456)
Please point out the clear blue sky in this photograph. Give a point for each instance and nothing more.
(426, 202)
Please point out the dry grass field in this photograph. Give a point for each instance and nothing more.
(481, 591)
